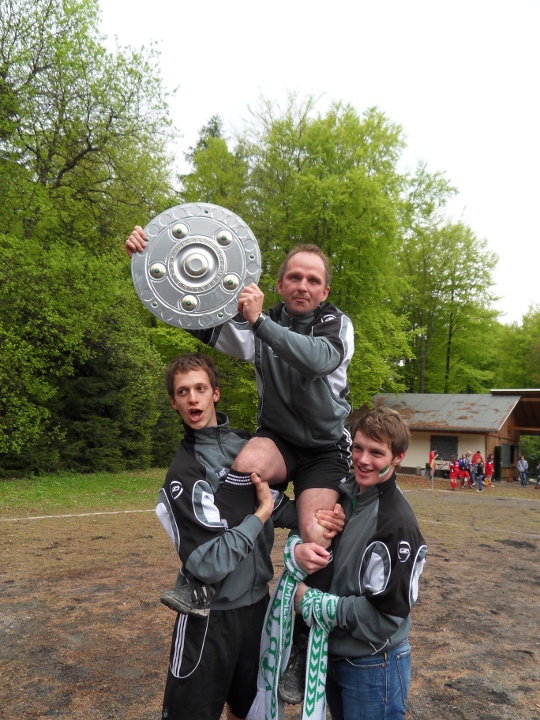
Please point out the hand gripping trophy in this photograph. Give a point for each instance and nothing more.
(198, 259)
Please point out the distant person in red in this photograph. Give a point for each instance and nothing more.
(488, 471)
(454, 471)
(477, 457)
(432, 457)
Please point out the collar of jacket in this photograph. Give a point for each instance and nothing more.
(280, 315)
(211, 431)
(351, 489)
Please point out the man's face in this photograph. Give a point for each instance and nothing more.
(194, 399)
(304, 284)
(373, 461)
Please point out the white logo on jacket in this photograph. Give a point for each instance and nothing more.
(404, 551)
(176, 489)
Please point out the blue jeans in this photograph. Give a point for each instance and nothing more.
(524, 478)
(370, 688)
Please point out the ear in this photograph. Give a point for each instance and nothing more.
(326, 293)
(216, 395)
(397, 460)
(279, 287)
(173, 403)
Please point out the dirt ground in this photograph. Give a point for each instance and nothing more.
(83, 635)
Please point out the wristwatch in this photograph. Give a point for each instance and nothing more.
(258, 322)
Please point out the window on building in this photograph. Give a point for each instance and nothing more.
(447, 445)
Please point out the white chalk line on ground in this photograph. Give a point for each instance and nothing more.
(92, 514)
(128, 512)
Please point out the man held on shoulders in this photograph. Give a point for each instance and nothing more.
(301, 349)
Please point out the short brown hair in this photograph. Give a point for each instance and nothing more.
(384, 425)
(309, 248)
(191, 361)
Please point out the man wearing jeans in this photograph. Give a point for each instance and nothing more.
(378, 561)
(523, 470)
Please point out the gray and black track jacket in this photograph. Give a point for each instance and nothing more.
(210, 519)
(378, 561)
(301, 370)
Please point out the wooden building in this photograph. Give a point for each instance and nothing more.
(455, 424)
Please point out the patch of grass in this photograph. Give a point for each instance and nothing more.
(60, 493)
(73, 492)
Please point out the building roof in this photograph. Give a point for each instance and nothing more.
(452, 413)
(526, 419)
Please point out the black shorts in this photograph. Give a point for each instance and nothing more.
(214, 660)
(314, 467)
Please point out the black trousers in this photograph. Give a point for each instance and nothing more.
(214, 660)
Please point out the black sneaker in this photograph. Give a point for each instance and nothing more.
(194, 598)
(293, 681)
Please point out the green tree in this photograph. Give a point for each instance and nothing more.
(212, 130)
(83, 136)
(218, 176)
(332, 180)
(84, 146)
(529, 447)
(447, 293)
(531, 333)
(78, 379)
(517, 348)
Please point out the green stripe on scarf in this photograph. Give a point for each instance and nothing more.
(319, 611)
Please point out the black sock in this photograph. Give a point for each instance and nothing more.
(300, 632)
(321, 579)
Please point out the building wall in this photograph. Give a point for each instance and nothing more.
(418, 453)
(505, 436)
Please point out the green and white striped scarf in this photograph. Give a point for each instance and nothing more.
(319, 611)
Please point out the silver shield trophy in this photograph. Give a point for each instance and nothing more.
(198, 259)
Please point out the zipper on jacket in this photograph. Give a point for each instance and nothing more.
(299, 412)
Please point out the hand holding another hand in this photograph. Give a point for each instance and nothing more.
(332, 520)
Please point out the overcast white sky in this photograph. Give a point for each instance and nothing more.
(462, 78)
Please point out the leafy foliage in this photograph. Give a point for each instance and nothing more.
(447, 298)
(73, 349)
(82, 145)
(518, 351)
(83, 156)
(529, 447)
(329, 180)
